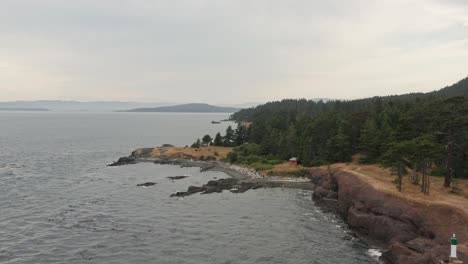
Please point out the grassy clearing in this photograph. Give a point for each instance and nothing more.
(214, 152)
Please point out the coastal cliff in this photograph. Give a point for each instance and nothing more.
(415, 229)
(414, 232)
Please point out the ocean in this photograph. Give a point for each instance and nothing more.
(60, 203)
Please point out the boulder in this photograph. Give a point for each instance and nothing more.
(217, 186)
(320, 192)
(142, 153)
(176, 177)
(124, 161)
(146, 184)
(191, 190)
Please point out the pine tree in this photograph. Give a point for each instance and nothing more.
(453, 117)
(206, 140)
(425, 151)
(370, 142)
(218, 140)
(197, 144)
(241, 135)
(229, 138)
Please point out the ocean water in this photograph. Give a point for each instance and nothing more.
(59, 203)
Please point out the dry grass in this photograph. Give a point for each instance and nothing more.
(383, 180)
(379, 177)
(285, 169)
(174, 152)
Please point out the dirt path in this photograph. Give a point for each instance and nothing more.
(382, 179)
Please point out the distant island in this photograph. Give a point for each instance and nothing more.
(187, 108)
(99, 106)
(76, 106)
(23, 109)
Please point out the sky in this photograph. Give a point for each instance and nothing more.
(229, 51)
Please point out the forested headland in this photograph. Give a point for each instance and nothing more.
(422, 132)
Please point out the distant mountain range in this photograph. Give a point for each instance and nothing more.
(97, 106)
(23, 109)
(74, 106)
(188, 108)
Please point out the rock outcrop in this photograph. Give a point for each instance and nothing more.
(177, 177)
(146, 184)
(142, 153)
(123, 161)
(414, 232)
(217, 186)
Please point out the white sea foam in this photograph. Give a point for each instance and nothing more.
(374, 253)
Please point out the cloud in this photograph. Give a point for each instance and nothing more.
(230, 51)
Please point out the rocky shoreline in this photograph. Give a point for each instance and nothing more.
(242, 178)
(413, 233)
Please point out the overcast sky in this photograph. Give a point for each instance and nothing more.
(229, 51)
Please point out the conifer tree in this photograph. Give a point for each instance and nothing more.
(229, 138)
(218, 140)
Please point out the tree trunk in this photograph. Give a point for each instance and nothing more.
(428, 185)
(400, 176)
(425, 180)
(448, 175)
(415, 174)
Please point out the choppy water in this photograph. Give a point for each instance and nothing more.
(59, 203)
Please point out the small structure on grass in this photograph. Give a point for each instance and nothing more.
(293, 161)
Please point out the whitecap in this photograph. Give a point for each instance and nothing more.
(374, 253)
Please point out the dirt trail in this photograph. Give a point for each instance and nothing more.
(382, 180)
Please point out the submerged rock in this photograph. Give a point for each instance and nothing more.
(245, 186)
(217, 186)
(146, 184)
(124, 161)
(177, 177)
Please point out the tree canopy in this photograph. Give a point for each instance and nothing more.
(417, 130)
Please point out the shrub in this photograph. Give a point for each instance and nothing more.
(197, 144)
(210, 158)
(274, 161)
(261, 166)
(232, 157)
(439, 171)
(253, 159)
(248, 149)
(365, 160)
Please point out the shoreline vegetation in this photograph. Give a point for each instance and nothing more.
(211, 159)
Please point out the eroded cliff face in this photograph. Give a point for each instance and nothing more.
(415, 233)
